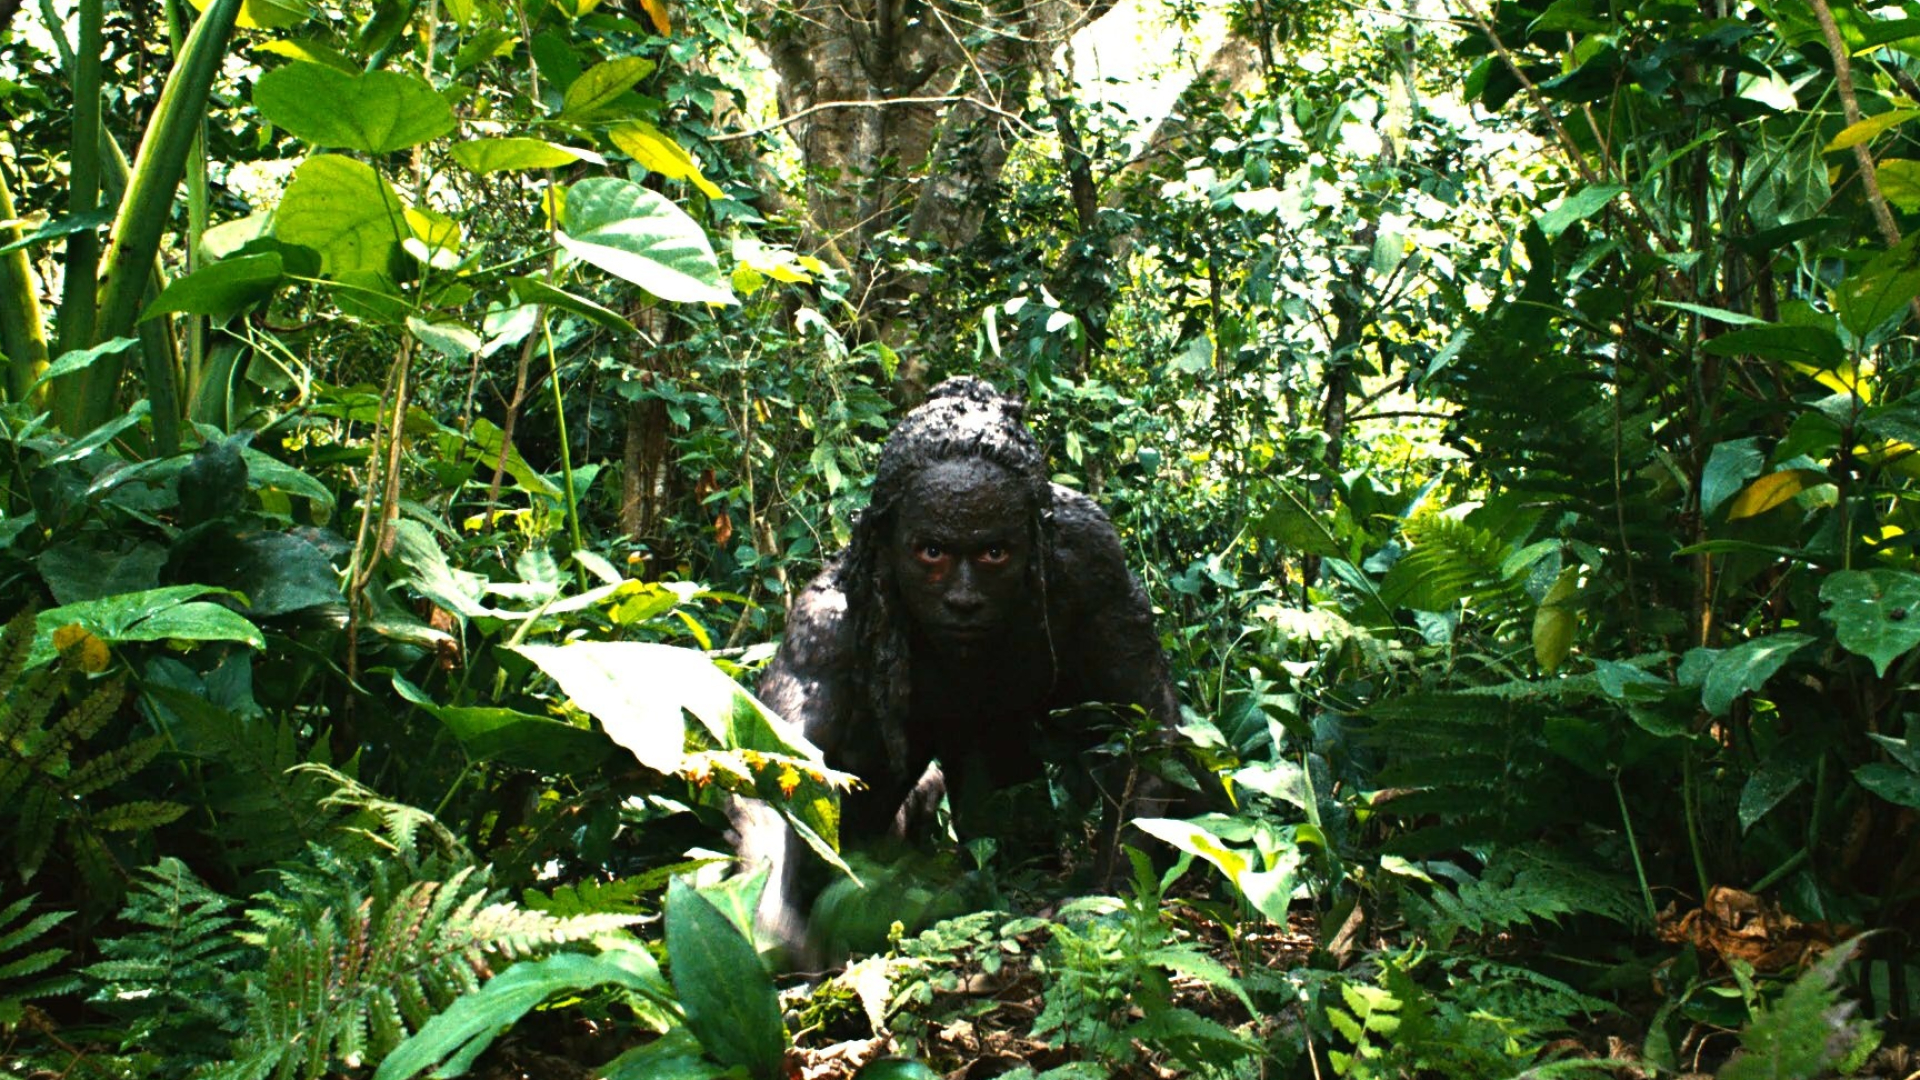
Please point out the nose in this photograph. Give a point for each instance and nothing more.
(963, 594)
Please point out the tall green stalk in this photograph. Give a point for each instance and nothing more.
(142, 219)
(77, 295)
(22, 325)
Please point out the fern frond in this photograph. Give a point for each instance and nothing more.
(1522, 886)
(359, 957)
(401, 825)
(1450, 561)
(176, 970)
(21, 978)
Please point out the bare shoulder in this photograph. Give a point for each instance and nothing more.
(1086, 545)
(806, 682)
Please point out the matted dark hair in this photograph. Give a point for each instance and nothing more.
(963, 418)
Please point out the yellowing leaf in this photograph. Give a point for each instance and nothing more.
(1771, 490)
(74, 642)
(657, 12)
(1841, 380)
(1553, 624)
(312, 52)
(653, 148)
(266, 14)
(778, 263)
(1864, 131)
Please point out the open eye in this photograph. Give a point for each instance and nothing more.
(930, 554)
(993, 555)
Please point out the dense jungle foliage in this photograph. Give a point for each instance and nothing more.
(417, 416)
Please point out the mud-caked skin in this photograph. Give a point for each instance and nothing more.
(974, 599)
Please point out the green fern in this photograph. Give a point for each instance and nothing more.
(23, 977)
(1807, 1032)
(1450, 561)
(176, 974)
(55, 780)
(1519, 887)
(359, 959)
(264, 812)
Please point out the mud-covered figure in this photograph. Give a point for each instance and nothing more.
(974, 599)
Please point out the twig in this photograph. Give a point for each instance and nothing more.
(881, 103)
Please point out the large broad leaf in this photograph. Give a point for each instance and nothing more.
(638, 689)
(471, 1023)
(1891, 782)
(641, 236)
(171, 614)
(1771, 490)
(345, 211)
(375, 113)
(223, 288)
(518, 154)
(1746, 667)
(522, 740)
(1900, 182)
(1555, 621)
(1810, 345)
(1875, 613)
(729, 999)
(1578, 207)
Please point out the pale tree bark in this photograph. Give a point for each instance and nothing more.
(905, 112)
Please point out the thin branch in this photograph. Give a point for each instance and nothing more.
(881, 103)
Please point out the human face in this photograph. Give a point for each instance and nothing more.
(960, 549)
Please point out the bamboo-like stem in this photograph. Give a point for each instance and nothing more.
(143, 217)
(77, 293)
(23, 325)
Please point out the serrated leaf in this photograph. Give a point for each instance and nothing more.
(641, 236)
(1875, 613)
(375, 112)
(657, 150)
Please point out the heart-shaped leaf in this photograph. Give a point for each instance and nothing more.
(375, 112)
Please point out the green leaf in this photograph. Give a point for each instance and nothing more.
(656, 150)
(1875, 613)
(222, 288)
(1867, 129)
(1297, 526)
(1729, 467)
(1810, 345)
(1269, 891)
(522, 740)
(600, 84)
(534, 291)
(377, 112)
(1877, 291)
(1891, 782)
(66, 226)
(1900, 182)
(1578, 207)
(451, 340)
(172, 613)
(345, 211)
(81, 359)
(518, 154)
(474, 1020)
(729, 999)
(1746, 667)
(1777, 778)
(641, 236)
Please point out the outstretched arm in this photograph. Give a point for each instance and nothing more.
(807, 685)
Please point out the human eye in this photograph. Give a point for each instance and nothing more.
(928, 553)
(994, 555)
